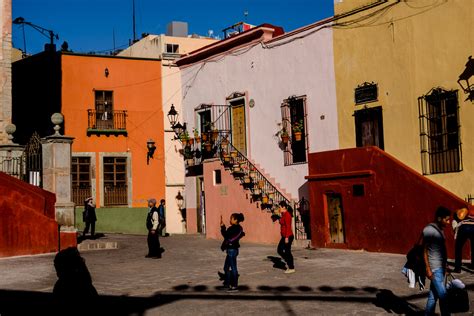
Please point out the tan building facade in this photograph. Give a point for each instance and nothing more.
(5, 66)
(168, 48)
(401, 70)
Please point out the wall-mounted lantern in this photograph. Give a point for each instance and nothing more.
(106, 72)
(173, 116)
(150, 144)
(179, 200)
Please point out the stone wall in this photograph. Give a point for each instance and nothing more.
(5, 67)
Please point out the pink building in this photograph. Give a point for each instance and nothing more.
(248, 90)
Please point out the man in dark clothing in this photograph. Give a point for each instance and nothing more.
(162, 223)
(89, 217)
(152, 222)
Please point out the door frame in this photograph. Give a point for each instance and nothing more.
(233, 98)
(328, 221)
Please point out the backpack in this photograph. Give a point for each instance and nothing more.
(149, 219)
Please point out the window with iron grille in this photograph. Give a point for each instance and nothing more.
(115, 181)
(293, 111)
(440, 137)
(81, 179)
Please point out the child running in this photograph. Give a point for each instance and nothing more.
(231, 245)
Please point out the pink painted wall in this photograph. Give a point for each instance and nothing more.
(229, 197)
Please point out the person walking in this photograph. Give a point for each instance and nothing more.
(287, 237)
(162, 223)
(231, 245)
(89, 217)
(463, 225)
(152, 223)
(435, 256)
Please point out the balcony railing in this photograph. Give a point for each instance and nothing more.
(103, 122)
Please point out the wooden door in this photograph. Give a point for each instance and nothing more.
(238, 127)
(336, 218)
(369, 127)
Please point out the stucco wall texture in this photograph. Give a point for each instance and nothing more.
(411, 48)
(396, 205)
(27, 222)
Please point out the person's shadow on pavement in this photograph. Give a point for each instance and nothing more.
(277, 262)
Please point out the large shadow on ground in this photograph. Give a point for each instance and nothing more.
(38, 303)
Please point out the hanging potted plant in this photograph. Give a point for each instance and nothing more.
(197, 138)
(204, 137)
(191, 141)
(184, 137)
(253, 173)
(236, 168)
(189, 156)
(285, 138)
(298, 128)
(214, 133)
(208, 146)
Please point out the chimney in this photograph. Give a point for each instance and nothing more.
(177, 29)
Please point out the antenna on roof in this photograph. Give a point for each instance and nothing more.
(133, 18)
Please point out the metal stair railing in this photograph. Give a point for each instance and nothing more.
(251, 178)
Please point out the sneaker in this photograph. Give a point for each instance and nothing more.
(232, 289)
(289, 271)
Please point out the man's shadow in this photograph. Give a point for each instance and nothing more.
(278, 263)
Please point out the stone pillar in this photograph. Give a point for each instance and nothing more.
(10, 154)
(5, 67)
(57, 174)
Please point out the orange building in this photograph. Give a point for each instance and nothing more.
(112, 107)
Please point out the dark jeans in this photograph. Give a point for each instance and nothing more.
(232, 276)
(465, 232)
(154, 247)
(284, 250)
(90, 225)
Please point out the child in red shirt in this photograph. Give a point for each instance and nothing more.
(287, 237)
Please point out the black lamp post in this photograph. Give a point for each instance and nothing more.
(179, 200)
(150, 144)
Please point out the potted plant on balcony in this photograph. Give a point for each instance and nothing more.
(261, 184)
(208, 146)
(256, 191)
(197, 138)
(233, 153)
(264, 199)
(189, 156)
(226, 157)
(285, 138)
(214, 133)
(184, 137)
(191, 141)
(204, 137)
(236, 168)
(298, 128)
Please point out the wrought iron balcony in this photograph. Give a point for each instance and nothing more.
(108, 123)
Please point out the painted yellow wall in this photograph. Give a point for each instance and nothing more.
(407, 48)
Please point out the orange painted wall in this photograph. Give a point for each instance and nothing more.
(137, 89)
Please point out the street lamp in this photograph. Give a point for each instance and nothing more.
(47, 33)
(150, 144)
(173, 116)
(179, 200)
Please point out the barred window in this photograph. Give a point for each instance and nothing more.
(293, 111)
(81, 179)
(440, 132)
(115, 181)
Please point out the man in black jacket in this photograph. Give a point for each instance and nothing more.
(152, 222)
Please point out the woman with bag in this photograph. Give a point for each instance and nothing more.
(231, 245)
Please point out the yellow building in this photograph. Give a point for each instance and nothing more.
(398, 67)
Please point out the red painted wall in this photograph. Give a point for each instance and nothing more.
(229, 197)
(397, 204)
(27, 219)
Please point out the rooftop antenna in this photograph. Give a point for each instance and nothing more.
(113, 39)
(133, 17)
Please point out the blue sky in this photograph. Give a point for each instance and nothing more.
(88, 25)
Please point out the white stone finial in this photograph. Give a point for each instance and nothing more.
(10, 129)
(57, 119)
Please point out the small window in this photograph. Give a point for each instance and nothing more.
(172, 48)
(358, 190)
(217, 177)
(294, 115)
(439, 132)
